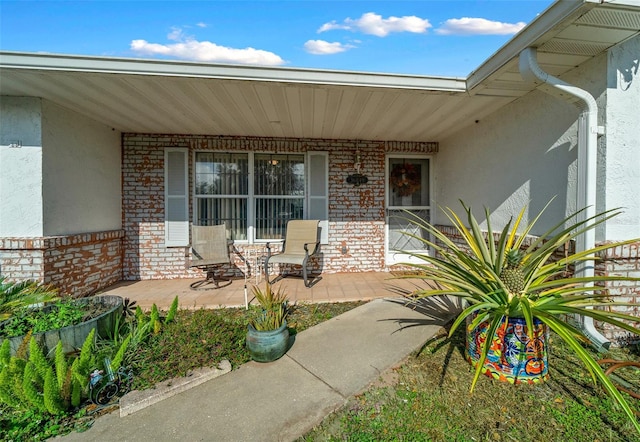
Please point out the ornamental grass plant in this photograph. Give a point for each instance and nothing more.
(272, 311)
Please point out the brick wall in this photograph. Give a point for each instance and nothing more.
(356, 214)
(621, 261)
(77, 265)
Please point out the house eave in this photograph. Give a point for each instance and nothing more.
(565, 24)
(174, 68)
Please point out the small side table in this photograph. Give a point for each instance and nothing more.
(254, 256)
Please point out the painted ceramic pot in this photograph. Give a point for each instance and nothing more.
(513, 356)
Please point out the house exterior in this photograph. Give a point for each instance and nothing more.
(105, 163)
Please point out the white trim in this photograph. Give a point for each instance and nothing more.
(391, 257)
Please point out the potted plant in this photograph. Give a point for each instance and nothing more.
(512, 283)
(68, 320)
(268, 335)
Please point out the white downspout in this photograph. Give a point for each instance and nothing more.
(588, 132)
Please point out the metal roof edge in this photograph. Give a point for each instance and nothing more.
(549, 19)
(174, 68)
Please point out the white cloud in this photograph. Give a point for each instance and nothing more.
(478, 26)
(188, 48)
(321, 47)
(332, 25)
(374, 24)
(202, 25)
(176, 34)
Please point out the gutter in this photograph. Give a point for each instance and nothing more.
(588, 132)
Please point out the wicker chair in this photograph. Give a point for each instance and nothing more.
(210, 250)
(301, 242)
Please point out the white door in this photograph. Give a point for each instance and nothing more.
(408, 189)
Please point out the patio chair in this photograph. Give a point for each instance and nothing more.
(210, 250)
(301, 242)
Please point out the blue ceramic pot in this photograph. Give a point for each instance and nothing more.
(269, 345)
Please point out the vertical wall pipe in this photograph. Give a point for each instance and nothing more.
(587, 163)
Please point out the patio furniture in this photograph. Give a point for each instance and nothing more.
(210, 250)
(301, 242)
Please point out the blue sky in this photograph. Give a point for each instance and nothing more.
(428, 37)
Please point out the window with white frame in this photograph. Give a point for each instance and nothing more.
(256, 194)
(222, 191)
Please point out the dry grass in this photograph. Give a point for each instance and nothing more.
(429, 400)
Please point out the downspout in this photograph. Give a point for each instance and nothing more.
(588, 132)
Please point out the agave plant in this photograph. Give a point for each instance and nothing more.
(502, 276)
(273, 308)
(17, 294)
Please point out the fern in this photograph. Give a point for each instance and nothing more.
(119, 357)
(76, 385)
(61, 364)
(141, 318)
(30, 383)
(38, 359)
(16, 368)
(82, 366)
(155, 319)
(66, 390)
(171, 314)
(5, 354)
(7, 382)
(52, 399)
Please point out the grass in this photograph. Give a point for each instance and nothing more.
(203, 338)
(424, 399)
(197, 338)
(429, 400)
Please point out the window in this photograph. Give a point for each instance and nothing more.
(278, 192)
(256, 194)
(222, 191)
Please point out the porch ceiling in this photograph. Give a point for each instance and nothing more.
(171, 97)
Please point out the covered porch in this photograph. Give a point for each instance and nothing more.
(332, 287)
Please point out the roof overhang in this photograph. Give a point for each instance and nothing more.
(151, 96)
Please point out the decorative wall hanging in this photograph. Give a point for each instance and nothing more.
(405, 179)
(357, 179)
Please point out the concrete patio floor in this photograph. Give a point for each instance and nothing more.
(330, 287)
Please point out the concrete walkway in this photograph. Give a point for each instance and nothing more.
(281, 401)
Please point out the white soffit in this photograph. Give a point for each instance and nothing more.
(566, 35)
(192, 98)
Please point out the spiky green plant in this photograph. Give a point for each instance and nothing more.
(173, 310)
(273, 308)
(18, 294)
(535, 285)
(156, 324)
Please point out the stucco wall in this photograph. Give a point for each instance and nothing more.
(82, 189)
(20, 167)
(621, 171)
(525, 153)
